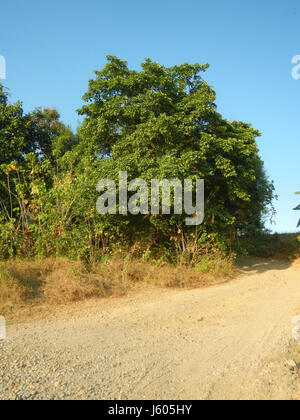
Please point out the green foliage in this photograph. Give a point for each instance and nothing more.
(160, 122)
(265, 245)
(163, 123)
(14, 130)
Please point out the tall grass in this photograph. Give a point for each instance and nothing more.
(28, 284)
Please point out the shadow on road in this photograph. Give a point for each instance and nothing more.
(260, 265)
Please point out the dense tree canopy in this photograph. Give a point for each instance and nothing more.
(156, 123)
(163, 123)
(14, 130)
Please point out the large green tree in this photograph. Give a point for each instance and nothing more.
(31, 149)
(156, 123)
(14, 125)
(162, 122)
(40, 132)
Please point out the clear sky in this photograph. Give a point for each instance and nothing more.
(51, 49)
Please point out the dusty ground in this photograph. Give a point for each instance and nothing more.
(222, 342)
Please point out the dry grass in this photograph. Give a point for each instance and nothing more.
(26, 287)
(294, 352)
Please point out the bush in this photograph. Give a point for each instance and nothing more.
(280, 246)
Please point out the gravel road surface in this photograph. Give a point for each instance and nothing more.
(222, 342)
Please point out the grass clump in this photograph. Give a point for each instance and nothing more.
(26, 285)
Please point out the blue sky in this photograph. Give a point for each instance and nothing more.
(52, 48)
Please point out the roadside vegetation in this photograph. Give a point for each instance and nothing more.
(28, 288)
(157, 123)
(285, 246)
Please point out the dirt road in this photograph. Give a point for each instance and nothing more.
(222, 342)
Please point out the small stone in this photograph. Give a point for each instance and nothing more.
(291, 364)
